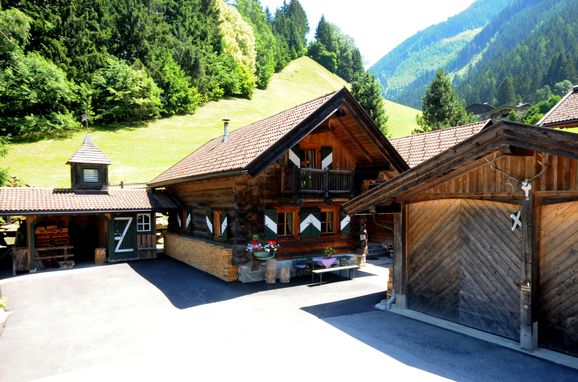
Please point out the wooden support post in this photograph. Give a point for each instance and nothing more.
(399, 260)
(528, 288)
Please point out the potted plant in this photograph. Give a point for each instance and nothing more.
(263, 250)
(329, 252)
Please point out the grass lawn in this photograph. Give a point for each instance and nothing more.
(401, 120)
(141, 152)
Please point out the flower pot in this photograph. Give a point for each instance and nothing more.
(263, 255)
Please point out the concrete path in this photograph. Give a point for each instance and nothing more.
(161, 320)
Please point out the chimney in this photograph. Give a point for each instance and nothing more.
(226, 129)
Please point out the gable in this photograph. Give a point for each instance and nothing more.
(503, 138)
(253, 148)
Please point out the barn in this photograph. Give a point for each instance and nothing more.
(68, 225)
(487, 234)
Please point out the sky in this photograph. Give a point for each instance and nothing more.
(377, 26)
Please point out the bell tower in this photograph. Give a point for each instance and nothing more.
(89, 168)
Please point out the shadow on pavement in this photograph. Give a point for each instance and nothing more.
(186, 287)
(433, 349)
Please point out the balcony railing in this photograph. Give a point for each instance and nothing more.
(316, 181)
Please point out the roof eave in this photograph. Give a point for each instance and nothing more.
(193, 178)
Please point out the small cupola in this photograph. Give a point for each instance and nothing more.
(89, 168)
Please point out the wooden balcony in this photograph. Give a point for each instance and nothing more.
(316, 181)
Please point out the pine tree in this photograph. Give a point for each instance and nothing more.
(441, 106)
(507, 92)
(367, 91)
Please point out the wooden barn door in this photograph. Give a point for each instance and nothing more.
(464, 262)
(122, 241)
(490, 266)
(433, 258)
(558, 264)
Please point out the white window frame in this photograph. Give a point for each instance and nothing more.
(142, 226)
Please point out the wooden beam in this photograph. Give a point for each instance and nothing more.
(505, 197)
(350, 135)
(529, 284)
(555, 197)
(399, 260)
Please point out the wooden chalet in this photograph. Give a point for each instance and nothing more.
(486, 234)
(282, 178)
(564, 114)
(64, 225)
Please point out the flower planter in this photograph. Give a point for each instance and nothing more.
(263, 255)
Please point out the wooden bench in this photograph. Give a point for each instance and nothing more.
(321, 271)
(65, 255)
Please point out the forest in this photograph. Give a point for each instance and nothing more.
(128, 61)
(132, 60)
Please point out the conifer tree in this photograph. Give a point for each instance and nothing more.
(367, 91)
(441, 106)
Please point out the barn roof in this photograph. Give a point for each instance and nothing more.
(564, 113)
(254, 147)
(500, 136)
(32, 201)
(420, 147)
(89, 153)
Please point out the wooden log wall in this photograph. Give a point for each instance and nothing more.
(464, 262)
(558, 280)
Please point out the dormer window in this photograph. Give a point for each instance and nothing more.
(90, 175)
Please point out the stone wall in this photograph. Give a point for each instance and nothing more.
(212, 258)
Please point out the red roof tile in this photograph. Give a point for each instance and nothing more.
(89, 153)
(243, 146)
(564, 112)
(420, 147)
(23, 200)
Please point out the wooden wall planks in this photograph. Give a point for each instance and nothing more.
(558, 265)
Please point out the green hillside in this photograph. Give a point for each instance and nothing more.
(409, 68)
(140, 152)
(401, 119)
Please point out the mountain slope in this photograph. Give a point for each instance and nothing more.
(141, 152)
(418, 57)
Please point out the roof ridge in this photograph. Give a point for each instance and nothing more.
(484, 122)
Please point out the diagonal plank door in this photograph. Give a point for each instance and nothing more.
(464, 262)
(490, 267)
(433, 249)
(558, 263)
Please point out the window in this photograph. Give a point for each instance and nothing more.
(309, 158)
(286, 222)
(143, 223)
(328, 222)
(90, 175)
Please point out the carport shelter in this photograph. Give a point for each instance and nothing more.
(487, 234)
(69, 224)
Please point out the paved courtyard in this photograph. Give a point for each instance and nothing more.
(162, 320)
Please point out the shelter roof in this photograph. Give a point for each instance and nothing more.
(31, 201)
(497, 137)
(252, 148)
(564, 113)
(89, 153)
(420, 147)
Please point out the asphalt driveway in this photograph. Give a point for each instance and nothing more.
(162, 320)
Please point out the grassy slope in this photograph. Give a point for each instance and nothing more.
(401, 119)
(141, 153)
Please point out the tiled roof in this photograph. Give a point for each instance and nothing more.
(23, 200)
(420, 147)
(89, 153)
(243, 146)
(564, 112)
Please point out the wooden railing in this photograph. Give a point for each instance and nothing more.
(316, 181)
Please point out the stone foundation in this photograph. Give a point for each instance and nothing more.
(212, 258)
